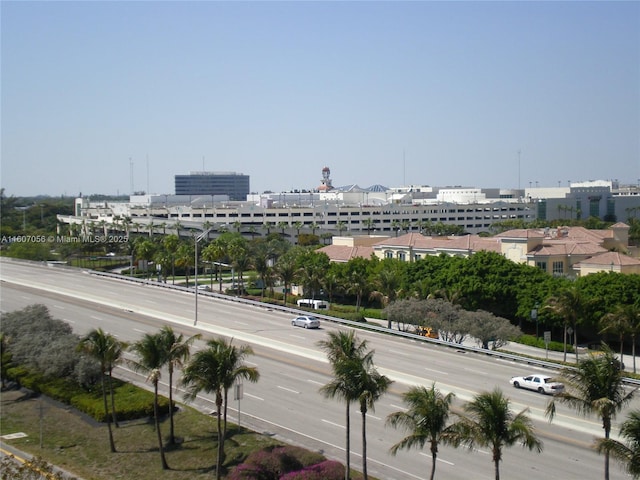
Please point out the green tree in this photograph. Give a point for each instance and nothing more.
(286, 270)
(312, 267)
(570, 305)
(594, 386)
(489, 422)
(369, 385)
(152, 356)
(215, 370)
(170, 244)
(426, 420)
(108, 351)
(177, 350)
(627, 451)
(623, 320)
(347, 356)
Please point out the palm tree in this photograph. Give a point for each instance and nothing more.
(108, 351)
(617, 323)
(215, 370)
(177, 349)
(170, 244)
(342, 349)
(152, 357)
(627, 453)
(286, 271)
(369, 385)
(594, 387)
(489, 422)
(624, 319)
(571, 306)
(426, 420)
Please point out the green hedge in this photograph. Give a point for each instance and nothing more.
(131, 402)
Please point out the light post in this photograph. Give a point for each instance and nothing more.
(195, 272)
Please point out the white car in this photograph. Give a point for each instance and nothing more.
(540, 383)
(306, 321)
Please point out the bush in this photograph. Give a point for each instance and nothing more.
(554, 346)
(273, 462)
(327, 470)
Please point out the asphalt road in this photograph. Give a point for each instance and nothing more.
(286, 403)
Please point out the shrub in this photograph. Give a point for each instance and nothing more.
(327, 470)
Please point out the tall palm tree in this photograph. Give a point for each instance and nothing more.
(617, 323)
(623, 320)
(286, 271)
(594, 387)
(369, 385)
(215, 370)
(344, 348)
(628, 453)
(177, 349)
(152, 356)
(426, 420)
(571, 305)
(489, 422)
(105, 348)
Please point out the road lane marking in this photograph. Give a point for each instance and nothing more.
(438, 459)
(436, 371)
(334, 424)
(288, 390)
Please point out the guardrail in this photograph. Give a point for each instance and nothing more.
(365, 326)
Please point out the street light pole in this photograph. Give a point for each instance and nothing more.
(195, 272)
(534, 316)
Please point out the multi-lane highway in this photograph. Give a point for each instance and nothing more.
(286, 403)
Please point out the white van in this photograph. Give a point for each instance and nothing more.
(314, 304)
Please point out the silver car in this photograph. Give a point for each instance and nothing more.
(306, 321)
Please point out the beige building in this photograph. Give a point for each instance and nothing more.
(566, 251)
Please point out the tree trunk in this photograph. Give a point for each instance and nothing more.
(106, 414)
(347, 449)
(220, 458)
(365, 476)
(157, 419)
(113, 401)
(172, 438)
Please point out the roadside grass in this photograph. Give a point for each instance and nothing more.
(80, 445)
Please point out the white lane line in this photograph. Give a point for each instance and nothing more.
(97, 318)
(253, 396)
(475, 371)
(139, 331)
(299, 337)
(398, 406)
(436, 371)
(315, 382)
(288, 390)
(399, 352)
(332, 423)
(241, 323)
(438, 459)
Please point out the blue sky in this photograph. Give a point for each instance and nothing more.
(392, 93)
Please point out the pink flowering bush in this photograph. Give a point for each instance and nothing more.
(327, 470)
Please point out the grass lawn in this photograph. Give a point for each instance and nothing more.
(78, 444)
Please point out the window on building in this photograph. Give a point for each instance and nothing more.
(558, 268)
(402, 256)
(542, 265)
(388, 254)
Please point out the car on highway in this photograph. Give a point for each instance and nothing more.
(306, 321)
(540, 383)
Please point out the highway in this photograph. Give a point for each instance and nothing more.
(286, 403)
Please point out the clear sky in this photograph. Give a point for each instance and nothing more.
(99, 95)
